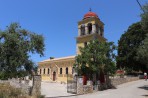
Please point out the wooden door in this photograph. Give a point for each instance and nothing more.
(54, 76)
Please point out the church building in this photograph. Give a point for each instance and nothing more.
(57, 69)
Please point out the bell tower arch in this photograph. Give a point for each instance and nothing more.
(89, 28)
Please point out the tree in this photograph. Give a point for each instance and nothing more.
(128, 47)
(16, 45)
(144, 17)
(96, 57)
(142, 50)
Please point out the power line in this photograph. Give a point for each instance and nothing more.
(140, 6)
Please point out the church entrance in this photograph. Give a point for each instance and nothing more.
(54, 76)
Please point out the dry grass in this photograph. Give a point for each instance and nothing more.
(7, 91)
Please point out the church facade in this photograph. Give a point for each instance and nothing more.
(57, 69)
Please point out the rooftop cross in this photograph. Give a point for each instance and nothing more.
(90, 9)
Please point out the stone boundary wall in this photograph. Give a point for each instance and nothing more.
(110, 83)
(16, 83)
(26, 86)
(36, 89)
(118, 81)
(83, 89)
(87, 89)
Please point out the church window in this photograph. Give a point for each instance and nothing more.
(82, 30)
(97, 28)
(48, 71)
(44, 70)
(101, 31)
(60, 70)
(85, 44)
(66, 70)
(73, 69)
(89, 28)
(40, 71)
(101, 34)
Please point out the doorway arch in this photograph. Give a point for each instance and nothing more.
(54, 76)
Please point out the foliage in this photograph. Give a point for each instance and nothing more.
(41, 96)
(144, 17)
(143, 52)
(128, 47)
(16, 45)
(51, 57)
(96, 57)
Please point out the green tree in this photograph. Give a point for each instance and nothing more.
(16, 45)
(144, 17)
(142, 50)
(96, 57)
(128, 47)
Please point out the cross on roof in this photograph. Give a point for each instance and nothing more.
(90, 9)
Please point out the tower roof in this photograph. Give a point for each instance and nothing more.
(90, 14)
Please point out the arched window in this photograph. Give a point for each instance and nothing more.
(40, 71)
(73, 70)
(101, 34)
(97, 28)
(101, 31)
(66, 70)
(60, 70)
(85, 44)
(82, 29)
(89, 28)
(44, 70)
(48, 71)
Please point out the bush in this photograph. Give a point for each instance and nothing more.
(40, 96)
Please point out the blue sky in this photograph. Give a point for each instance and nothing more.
(57, 20)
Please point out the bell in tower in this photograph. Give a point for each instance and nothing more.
(89, 28)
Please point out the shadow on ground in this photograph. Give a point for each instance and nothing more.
(63, 96)
(145, 87)
(145, 96)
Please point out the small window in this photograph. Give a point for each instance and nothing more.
(97, 28)
(89, 28)
(40, 71)
(82, 30)
(101, 34)
(101, 31)
(44, 70)
(73, 70)
(48, 71)
(85, 44)
(60, 70)
(66, 70)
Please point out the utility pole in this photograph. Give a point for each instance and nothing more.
(140, 5)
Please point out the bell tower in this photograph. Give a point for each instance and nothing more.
(89, 28)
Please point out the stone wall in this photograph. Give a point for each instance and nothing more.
(26, 86)
(118, 81)
(16, 83)
(36, 89)
(87, 89)
(83, 89)
(79, 85)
